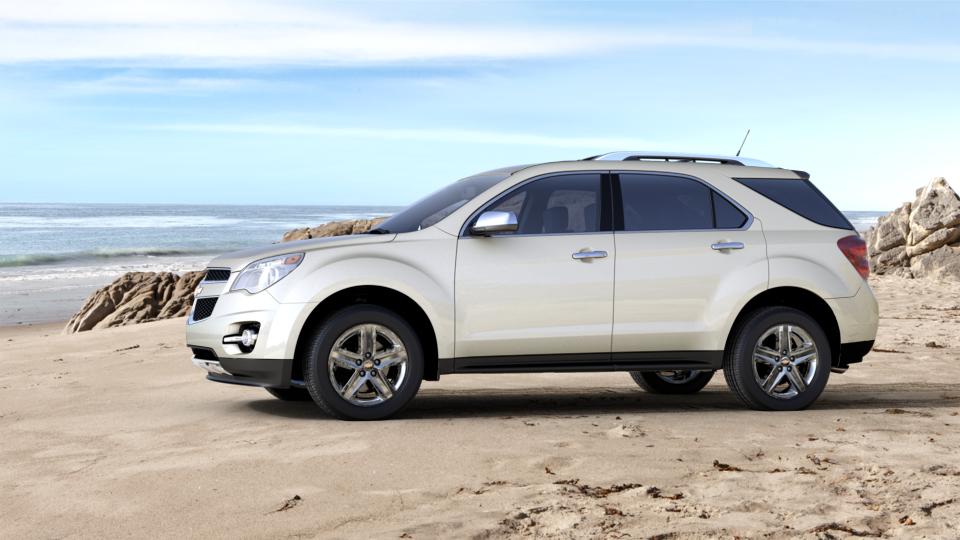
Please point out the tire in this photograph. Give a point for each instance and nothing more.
(747, 366)
(290, 394)
(357, 392)
(656, 382)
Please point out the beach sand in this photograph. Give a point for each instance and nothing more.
(114, 433)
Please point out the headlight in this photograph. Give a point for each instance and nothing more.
(261, 274)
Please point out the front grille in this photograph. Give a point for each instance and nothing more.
(217, 274)
(204, 308)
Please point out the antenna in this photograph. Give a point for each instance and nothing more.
(743, 143)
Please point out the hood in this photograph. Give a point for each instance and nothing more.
(236, 260)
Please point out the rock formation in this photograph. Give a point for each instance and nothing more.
(921, 238)
(334, 228)
(137, 297)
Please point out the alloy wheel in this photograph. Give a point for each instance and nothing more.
(785, 361)
(367, 364)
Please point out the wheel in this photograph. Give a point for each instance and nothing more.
(290, 394)
(363, 363)
(680, 381)
(779, 360)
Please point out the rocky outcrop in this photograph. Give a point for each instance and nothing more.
(334, 228)
(921, 238)
(137, 297)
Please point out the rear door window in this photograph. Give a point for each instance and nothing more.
(653, 202)
(726, 214)
(800, 197)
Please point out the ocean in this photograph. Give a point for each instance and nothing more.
(53, 255)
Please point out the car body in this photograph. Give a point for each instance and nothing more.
(643, 262)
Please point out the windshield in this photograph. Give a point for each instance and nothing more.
(442, 203)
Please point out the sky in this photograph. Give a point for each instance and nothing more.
(289, 102)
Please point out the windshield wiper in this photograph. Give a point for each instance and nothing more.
(378, 230)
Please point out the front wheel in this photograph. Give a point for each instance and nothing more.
(779, 360)
(363, 363)
(678, 381)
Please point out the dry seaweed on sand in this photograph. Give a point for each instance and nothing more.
(598, 492)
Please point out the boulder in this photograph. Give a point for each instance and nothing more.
(334, 228)
(888, 260)
(940, 263)
(921, 238)
(136, 297)
(937, 207)
(892, 229)
(936, 239)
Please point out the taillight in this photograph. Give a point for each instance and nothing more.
(855, 250)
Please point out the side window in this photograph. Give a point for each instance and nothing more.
(665, 203)
(727, 215)
(669, 203)
(800, 197)
(568, 203)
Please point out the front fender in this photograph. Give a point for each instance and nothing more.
(420, 267)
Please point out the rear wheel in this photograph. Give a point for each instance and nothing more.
(678, 381)
(363, 363)
(290, 394)
(779, 360)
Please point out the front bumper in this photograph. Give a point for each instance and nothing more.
(246, 371)
(270, 361)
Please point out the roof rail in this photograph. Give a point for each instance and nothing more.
(679, 158)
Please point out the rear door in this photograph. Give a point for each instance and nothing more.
(534, 292)
(684, 251)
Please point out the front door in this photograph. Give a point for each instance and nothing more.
(546, 289)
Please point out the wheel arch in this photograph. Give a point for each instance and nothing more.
(377, 295)
(797, 298)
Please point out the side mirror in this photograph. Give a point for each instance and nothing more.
(494, 222)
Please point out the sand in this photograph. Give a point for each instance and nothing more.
(114, 433)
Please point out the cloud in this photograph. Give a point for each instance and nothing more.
(210, 34)
(133, 83)
(217, 33)
(429, 135)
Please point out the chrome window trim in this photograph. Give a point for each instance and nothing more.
(465, 233)
(746, 225)
(507, 235)
(465, 226)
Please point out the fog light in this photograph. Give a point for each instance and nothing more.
(248, 337)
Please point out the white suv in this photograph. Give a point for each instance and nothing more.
(667, 266)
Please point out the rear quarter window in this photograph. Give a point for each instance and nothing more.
(801, 197)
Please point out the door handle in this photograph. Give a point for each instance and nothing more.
(726, 245)
(587, 255)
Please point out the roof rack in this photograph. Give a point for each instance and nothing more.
(674, 157)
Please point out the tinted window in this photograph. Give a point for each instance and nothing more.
(442, 203)
(727, 215)
(665, 203)
(801, 197)
(567, 203)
